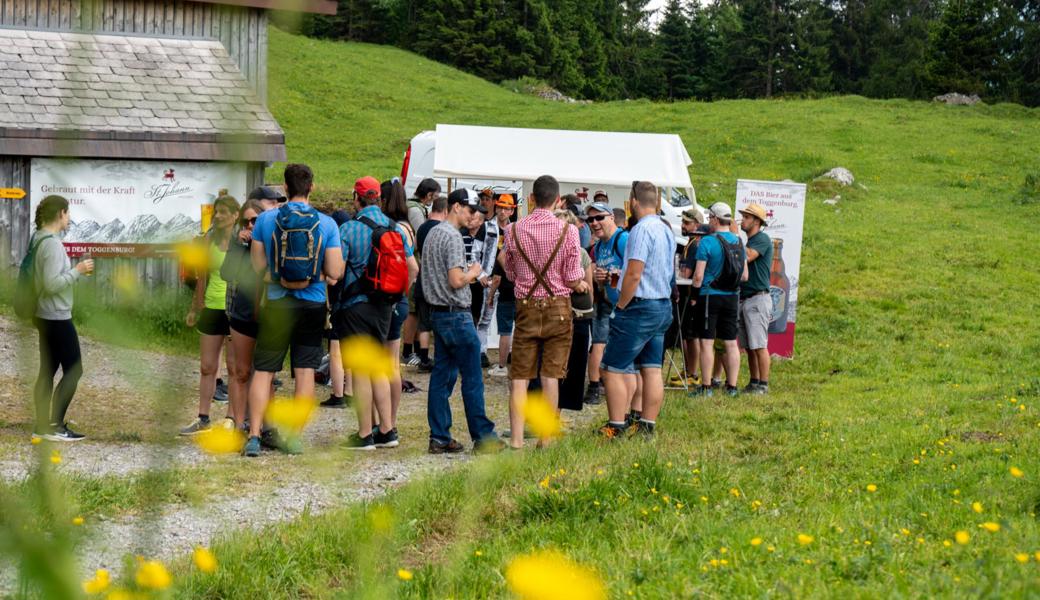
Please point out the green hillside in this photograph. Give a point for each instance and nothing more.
(916, 368)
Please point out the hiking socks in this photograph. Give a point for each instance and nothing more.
(635, 416)
(424, 354)
(406, 350)
(755, 382)
(204, 418)
(618, 424)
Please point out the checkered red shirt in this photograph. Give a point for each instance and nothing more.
(538, 234)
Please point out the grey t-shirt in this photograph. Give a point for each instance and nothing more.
(443, 251)
(54, 277)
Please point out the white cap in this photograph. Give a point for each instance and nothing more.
(720, 210)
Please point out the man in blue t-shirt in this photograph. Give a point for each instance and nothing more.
(608, 253)
(293, 319)
(715, 310)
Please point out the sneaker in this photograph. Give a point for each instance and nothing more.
(749, 388)
(452, 447)
(611, 431)
(220, 394)
(485, 362)
(270, 438)
(716, 383)
(412, 360)
(62, 433)
(702, 390)
(761, 390)
(642, 430)
(356, 442)
(252, 447)
(197, 426)
(426, 366)
(632, 418)
(594, 394)
(498, 371)
(335, 402)
(390, 439)
(732, 391)
(489, 445)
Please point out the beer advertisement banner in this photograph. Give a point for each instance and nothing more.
(785, 210)
(133, 208)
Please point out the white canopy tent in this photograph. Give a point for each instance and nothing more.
(601, 158)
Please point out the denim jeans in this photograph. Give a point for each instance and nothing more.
(457, 353)
(636, 338)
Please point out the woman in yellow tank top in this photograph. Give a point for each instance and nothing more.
(207, 314)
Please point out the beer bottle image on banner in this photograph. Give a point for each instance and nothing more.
(779, 289)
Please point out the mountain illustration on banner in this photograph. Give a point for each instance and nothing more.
(144, 229)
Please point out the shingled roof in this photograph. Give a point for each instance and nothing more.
(75, 94)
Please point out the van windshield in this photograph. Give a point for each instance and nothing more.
(678, 199)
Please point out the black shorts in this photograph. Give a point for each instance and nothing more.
(687, 316)
(246, 328)
(213, 322)
(290, 324)
(423, 312)
(364, 318)
(716, 317)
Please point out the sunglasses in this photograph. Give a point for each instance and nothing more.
(250, 221)
(598, 218)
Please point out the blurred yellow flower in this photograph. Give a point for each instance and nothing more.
(382, 518)
(990, 526)
(1036, 555)
(97, 584)
(542, 418)
(35, 440)
(478, 553)
(290, 416)
(549, 575)
(771, 548)
(904, 531)
(404, 575)
(805, 540)
(365, 356)
(756, 542)
(544, 484)
(871, 488)
(1016, 472)
(218, 440)
(734, 492)
(119, 595)
(193, 255)
(152, 575)
(77, 521)
(1022, 557)
(962, 537)
(204, 560)
(947, 543)
(126, 281)
(977, 507)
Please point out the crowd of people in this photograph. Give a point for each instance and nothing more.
(578, 292)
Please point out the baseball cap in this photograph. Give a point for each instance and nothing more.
(266, 192)
(506, 201)
(600, 206)
(702, 230)
(466, 197)
(720, 210)
(691, 216)
(367, 187)
(600, 193)
(755, 210)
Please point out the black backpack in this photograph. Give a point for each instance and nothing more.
(732, 265)
(25, 294)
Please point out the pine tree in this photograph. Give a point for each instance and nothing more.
(968, 48)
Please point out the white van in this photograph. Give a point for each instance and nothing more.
(419, 161)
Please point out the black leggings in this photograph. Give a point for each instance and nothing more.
(59, 347)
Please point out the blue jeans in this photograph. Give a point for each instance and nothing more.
(457, 353)
(636, 338)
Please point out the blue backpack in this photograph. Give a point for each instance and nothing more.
(25, 294)
(298, 245)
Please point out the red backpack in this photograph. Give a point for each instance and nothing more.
(385, 279)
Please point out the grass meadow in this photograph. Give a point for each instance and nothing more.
(897, 455)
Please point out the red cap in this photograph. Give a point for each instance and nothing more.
(367, 187)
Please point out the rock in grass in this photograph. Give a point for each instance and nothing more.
(955, 99)
(839, 174)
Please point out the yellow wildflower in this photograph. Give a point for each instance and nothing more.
(1036, 555)
(990, 526)
(1022, 557)
(55, 457)
(542, 418)
(77, 521)
(756, 542)
(204, 560)
(771, 548)
(382, 518)
(871, 488)
(804, 539)
(904, 531)
(977, 507)
(35, 440)
(549, 575)
(290, 415)
(1016, 472)
(193, 256)
(734, 492)
(97, 584)
(478, 553)
(152, 575)
(962, 537)
(404, 575)
(947, 543)
(218, 440)
(363, 355)
(544, 484)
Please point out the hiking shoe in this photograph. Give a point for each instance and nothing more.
(594, 395)
(485, 362)
(498, 371)
(412, 360)
(632, 418)
(642, 430)
(335, 402)
(197, 426)
(716, 383)
(489, 445)
(702, 390)
(749, 388)
(732, 391)
(252, 447)
(270, 439)
(426, 366)
(356, 442)
(389, 439)
(452, 447)
(62, 433)
(220, 393)
(611, 431)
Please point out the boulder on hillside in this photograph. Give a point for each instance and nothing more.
(840, 174)
(955, 99)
